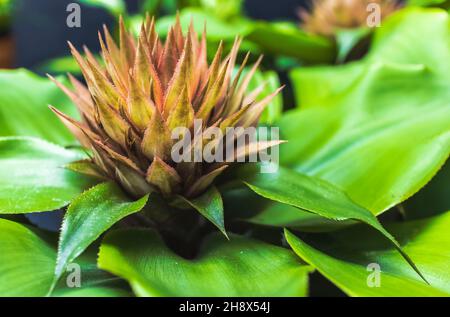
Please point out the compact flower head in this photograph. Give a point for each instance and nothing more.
(144, 89)
(328, 16)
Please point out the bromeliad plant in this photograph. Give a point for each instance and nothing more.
(136, 222)
(145, 90)
(144, 93)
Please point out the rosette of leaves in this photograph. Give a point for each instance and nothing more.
(355, 150)
(148, 89)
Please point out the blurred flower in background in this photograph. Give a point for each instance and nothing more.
(6, 41)
(326, 17)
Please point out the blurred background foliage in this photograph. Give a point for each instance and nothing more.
(270, 28)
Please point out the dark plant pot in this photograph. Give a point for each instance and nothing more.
(7, 51)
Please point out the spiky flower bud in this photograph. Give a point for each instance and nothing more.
(328, 16)
(146, 88)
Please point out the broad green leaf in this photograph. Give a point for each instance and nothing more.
(88, 216)
(150, 6)
(261, 211)
(27, 260)
(92, 281)
(27, 265)
(285, 216)
(283, 38)
(24, 100)
(210, 205)
(343, 257)
(33, 177)
(380, 128)
(390, 40)
(115, 7)
(348, 39)
(316, 196)
(431, 200)
(60, 65)
(240, 267)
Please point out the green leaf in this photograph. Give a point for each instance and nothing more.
(240, 267)
(27, 265)
(223, 9)
(426, 3)
(343, 257)
(24, 100)
(285, 216)
(217, 29)
(243, 204)
(317, 196)
(89, 215)
(261, 211)
(114, 7)
(93, 282)
(431, 200)
(348, 39)
(33, 177)
(210, 205)
(379, 128)
(27, 260)
(60, 65)
(388, 43)
(283, 38)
